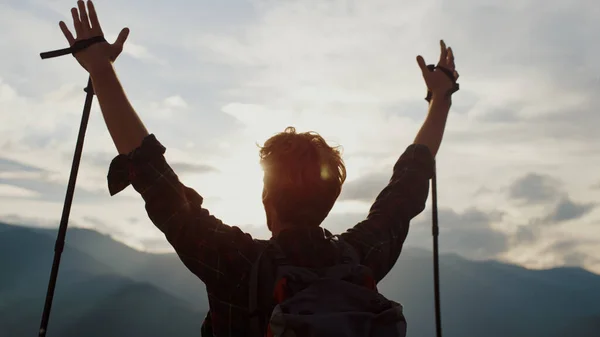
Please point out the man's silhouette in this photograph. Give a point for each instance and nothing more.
(303, 177)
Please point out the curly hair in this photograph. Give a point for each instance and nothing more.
(303, 176)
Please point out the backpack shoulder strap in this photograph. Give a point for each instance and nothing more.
(276, 251)
(347, 253)
(255, 318)
(270, 255)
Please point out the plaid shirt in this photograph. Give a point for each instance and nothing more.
(222, 256)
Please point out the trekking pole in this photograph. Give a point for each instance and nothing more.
(436, 262)
(64, 220)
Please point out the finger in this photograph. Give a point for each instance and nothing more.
(85, 22)
(450, 58)
(67, 33)
(443, 52)
(422, 64)
(94, 19)
(450, 54)
(122, 37)
(76, 22)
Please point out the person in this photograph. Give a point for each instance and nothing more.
(303, 177)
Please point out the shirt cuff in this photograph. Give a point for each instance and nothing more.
(124, 167)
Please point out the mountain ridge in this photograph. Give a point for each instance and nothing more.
(109, 288)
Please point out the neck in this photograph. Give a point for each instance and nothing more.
(276, 230)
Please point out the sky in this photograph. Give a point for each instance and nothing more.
(518, 176)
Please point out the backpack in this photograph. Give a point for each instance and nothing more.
(341, 300)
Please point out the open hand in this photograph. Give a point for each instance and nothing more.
(87, 26)
(437, 81)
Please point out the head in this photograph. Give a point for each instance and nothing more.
(303, 177)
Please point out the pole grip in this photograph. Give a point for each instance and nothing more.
(76, 47)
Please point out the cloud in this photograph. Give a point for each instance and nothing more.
(105, 227)
(141, 53)
(567, 210)
(365, 188)
(558, 207)
(570, 251)
(207, 78)
(29, 221)
(340, 222)
(170, 107)
(535, 188)
(156, 244)
(175, 102)
(94, 221)
(45, 188)
(502, 114)
(564, 246)
(483, 191)
(20, 180)
(477, 244)
(100, 160)
(525, 235)
(469, 233)
(191, 168)
(576, 259)
(8, 165)
(543, 242)
(470, 218)
(16, 192)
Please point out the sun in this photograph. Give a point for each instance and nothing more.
(234, 193)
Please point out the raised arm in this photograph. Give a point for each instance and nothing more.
(379, 238)
(217, 253)
(124, 125)
(441, 86)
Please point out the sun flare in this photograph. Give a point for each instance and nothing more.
(234, 193)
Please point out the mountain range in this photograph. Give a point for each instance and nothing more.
(106, 288)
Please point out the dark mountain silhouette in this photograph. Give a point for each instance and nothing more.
(26, 255)
(162, 270)
(107, 300)
(106, 288)
(137, 310)
(493, 299)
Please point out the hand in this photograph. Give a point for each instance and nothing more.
(98, 54)
(437, 81)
